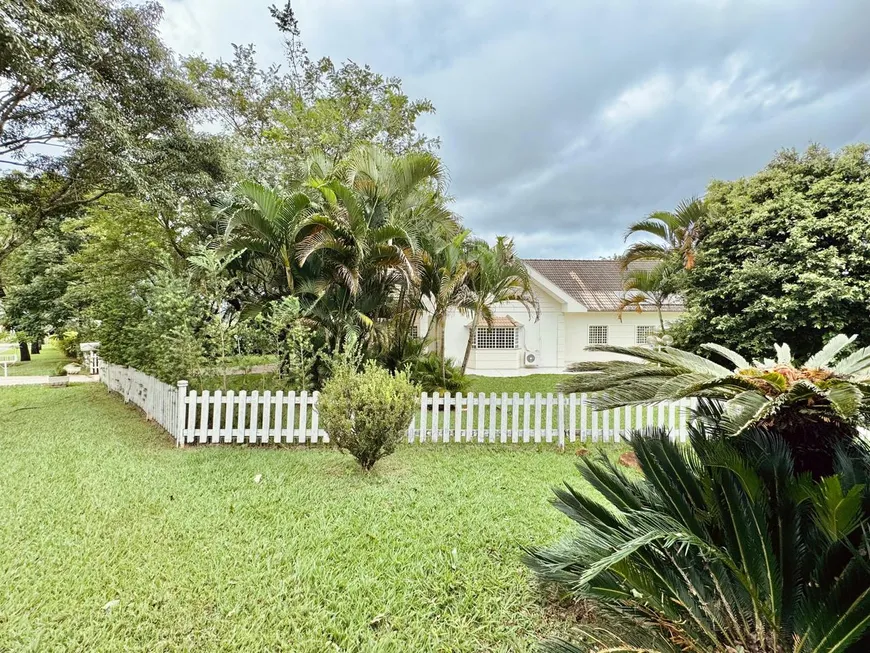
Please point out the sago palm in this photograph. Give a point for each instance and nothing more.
(676, 233)
(720, 547)
(814, 406)
(496, 275)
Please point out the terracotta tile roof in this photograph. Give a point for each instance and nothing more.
(597, 284)
(499, 321)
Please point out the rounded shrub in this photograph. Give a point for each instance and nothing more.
(367, 413)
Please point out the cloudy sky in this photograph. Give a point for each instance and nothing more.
(564, 120)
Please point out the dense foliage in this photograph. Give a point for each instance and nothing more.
(182, 264)
(278, 116)
(91, 104)
(717, 548)
(367, 413)
(783, 255)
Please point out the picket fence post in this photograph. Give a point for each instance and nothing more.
(180, 414)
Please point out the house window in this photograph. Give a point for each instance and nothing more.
(415, 331)
(642, 333)
(495, 338)
(597, 335)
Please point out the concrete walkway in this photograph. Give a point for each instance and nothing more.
(43, 380)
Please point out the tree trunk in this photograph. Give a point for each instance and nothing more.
(23, 352)
(35, 347)
(440, 335)
(471, 331)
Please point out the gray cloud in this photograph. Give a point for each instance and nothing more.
(563, 121)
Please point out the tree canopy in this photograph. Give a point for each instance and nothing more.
(784, 255)
(91, 104)
(280, 115)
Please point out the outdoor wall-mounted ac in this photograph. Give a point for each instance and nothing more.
(531, 358)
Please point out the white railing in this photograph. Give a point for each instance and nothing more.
(292, 417)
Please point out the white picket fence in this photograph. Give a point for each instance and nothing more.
(159, 401)
(292, 418)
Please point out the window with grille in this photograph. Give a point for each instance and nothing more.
(415, 331)
(642, 333)
(495, 338)
(597, 335)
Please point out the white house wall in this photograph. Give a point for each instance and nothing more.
(546, 336)
(558, 337)
(622, 333)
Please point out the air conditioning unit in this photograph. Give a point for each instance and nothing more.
(531, 358)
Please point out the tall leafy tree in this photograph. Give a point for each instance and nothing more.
(349, 242)
(784, 255)
(367, 239)
(496, 275)
(262, 225)
(90, 104)
(279, 118)
(444, 282)
(36, 280)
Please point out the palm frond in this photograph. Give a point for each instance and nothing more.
(731, 355)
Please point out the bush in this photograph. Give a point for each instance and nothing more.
(720, 547)
(67, 342)
(433, 375)
(60, 371)
(367, 413)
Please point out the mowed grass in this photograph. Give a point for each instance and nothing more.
(112, 539)
(45, 363)
(531, 383)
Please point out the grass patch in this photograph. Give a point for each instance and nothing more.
(532, 383)
(113, 539)
(44, 363)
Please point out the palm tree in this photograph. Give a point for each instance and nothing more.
(366, 236)
(816, 407)
(496, 275)
(262, 225)
(677, 234)
(443, 280)
(645, 286)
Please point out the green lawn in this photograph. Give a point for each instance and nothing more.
(112, 539)
(44, 363)
(532, 383)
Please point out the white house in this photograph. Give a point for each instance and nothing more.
(578, 300)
